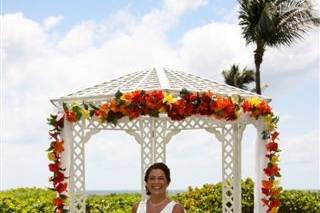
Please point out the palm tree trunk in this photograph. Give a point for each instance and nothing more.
(258, 56)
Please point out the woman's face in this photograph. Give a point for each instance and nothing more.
(157, 182)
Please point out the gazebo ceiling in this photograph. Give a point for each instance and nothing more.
(153, 79)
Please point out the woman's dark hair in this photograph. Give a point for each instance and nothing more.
(161, 166)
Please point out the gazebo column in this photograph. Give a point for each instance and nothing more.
(261, 163)
(76, 187)
(230, 138)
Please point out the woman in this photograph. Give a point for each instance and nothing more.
(157, 179)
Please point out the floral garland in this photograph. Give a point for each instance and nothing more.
(152, 103)
(54, 155)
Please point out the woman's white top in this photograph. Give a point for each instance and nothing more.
(142, 208)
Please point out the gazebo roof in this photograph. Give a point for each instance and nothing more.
(153, 79)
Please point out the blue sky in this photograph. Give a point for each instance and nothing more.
(52, 49)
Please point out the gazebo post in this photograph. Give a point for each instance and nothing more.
(237, 137)
(65, 159)
(261, 163)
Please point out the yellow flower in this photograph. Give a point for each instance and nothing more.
(268, 122)
(275, 159)
(255, 101)
(85, 113)
(168, 98)
(276, 183)
(52, 156)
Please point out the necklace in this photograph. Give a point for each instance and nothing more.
(157, 204)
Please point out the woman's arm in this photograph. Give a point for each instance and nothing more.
(134, 208)
(178, 208)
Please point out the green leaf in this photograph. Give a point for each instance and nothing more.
(118, 94)
(65, 107)
(93, 106)
(184, 92)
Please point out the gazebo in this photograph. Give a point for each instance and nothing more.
(81, 116)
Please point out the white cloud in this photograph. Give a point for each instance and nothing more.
(37, 68)
(300, 155)
(78, 39)
(213, 47)
(179, 7)
(51, 22)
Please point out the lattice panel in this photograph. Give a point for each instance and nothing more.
(152, 134)
(77, 169)
(228, 169)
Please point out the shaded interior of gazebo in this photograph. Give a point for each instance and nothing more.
(153, 134)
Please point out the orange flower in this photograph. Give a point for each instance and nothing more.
(272, 170)
(58, 201)
(267, 184)
(102, 111)
(223, 108)
(263, 108)
(275, 192)
(58, 147)
(71, 116)
(272, 146)
(274, 203)
(114, 105)
(154, 100)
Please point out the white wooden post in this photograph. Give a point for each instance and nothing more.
(261, 163)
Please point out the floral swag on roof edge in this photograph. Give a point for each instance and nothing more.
(152, 103)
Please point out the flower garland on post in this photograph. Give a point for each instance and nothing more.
(152, 103)
(54, 155)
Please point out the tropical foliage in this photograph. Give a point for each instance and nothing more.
(274, 23)
(197, 200)
(238, 78)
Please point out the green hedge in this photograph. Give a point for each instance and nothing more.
(206, 199)
(26, 200)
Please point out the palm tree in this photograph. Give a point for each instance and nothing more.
(235, 77)
(274, 23)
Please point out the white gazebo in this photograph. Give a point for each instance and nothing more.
(152, 134)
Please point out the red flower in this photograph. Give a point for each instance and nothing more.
(265, 202)
(71, 116)
(102, 111)
(179, 110)
(274, 135)
(263, 108)
(137, 98)
(154, 100)
(272, 170)
(204, 107)
(265, 191)
(61, 187)
(246, 106)
(54, 167)
(274, 203)
(58, 201)
(272, 146)
(59, 177)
